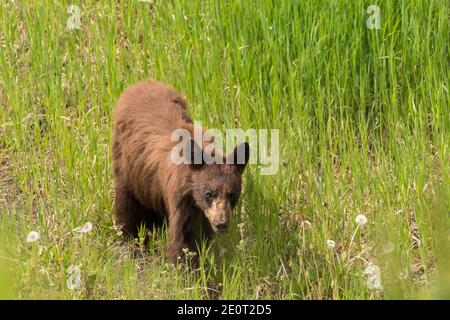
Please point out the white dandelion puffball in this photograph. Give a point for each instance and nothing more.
(331, 244)
(73, 277)
(33, 236)
(373, 274)
(87, 227)
(361, 219)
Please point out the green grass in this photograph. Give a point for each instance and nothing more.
(364, 124)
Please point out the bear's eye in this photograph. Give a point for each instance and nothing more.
(208, 196)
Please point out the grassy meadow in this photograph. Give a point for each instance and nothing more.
(364, 122)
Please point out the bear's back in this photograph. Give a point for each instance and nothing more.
(145, 117)
(154, 104)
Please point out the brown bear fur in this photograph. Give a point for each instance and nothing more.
(195, 199)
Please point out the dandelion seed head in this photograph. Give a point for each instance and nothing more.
(373, 274)
(87, 227)
(73, 277)
(331, 244)
(33, 236)
(361, 219)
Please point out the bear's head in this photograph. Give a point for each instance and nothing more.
(216, 186)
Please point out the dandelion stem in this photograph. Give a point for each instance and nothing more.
(351, 240)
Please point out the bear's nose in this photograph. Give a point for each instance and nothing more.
(222, 226)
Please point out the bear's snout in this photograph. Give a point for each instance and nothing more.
(219, 215)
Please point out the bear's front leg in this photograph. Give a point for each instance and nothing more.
(177, 237)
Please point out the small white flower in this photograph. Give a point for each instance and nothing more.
(373, 274)
(73, 277)
(331, 244)
(87, 227)
(361, 219)
(33, 236)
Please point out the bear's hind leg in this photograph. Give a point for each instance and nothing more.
(130, 214)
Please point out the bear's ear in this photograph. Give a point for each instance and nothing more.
(239, 157)
(193, 154)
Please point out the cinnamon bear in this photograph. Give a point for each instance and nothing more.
(196, 198)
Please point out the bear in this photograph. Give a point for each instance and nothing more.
(195, 198)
